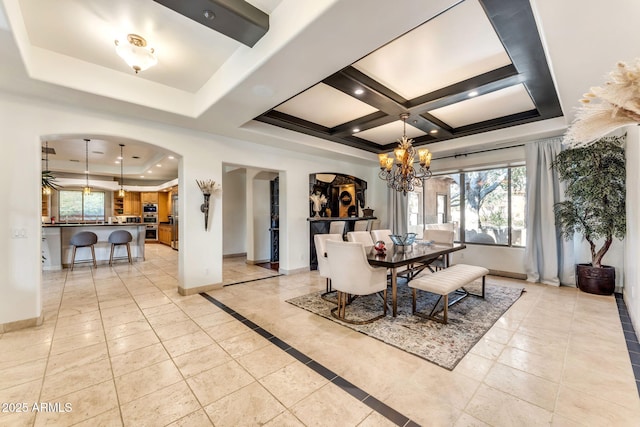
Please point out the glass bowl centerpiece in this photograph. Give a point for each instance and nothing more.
(403, 242)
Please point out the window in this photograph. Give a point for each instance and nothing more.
(485, 206)
(75, 206)
(414, 211)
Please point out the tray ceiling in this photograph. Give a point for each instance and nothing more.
(479, 66)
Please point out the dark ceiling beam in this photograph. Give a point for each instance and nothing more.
(237, 19)
(296, 124)
(515, 24)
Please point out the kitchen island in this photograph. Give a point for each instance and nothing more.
(56, 246)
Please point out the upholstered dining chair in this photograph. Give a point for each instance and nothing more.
(374, 224)
(382, 235)
(362, 225)
(119, 238)
(351, 275)
(363, 237)
(439, 236)
(337, 227)
(321, 253)
(84, 239)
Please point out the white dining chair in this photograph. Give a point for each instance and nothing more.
(439, 236)
(351, 275)
(363, 237)
(361, 225)
(321, 254)
(382, 235)
(337, 227)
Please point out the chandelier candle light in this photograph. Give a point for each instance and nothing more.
(207, 187)
(399, 172)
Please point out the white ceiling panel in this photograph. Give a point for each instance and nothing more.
(452, 47)
(186, 59)
(325, 106)
(512, 100)
(389, 133)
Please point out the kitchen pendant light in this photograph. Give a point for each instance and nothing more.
(86, 189)
(46, 189)
(121, 192)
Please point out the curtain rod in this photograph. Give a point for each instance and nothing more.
(477, 152)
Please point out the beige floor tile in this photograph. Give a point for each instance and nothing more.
(285, 419)
(175, 315)
(467, 420)
(474, 366)
(186, 343)
(243, 344)
(541, 366)
(73, 379)
(126, 329)
(217, 382)
(132, 342)
(213, 319)
(229, 330)
(293, 383)
(85, 404)
(522, 385)
(137, 359)
(198, 418)
(501, 409)
(110, 418)
(265, 361)
(72, 359)
(585, 409)
(23, 373)
(330, 406)
(144, 381)
(488, 349)
(17, 356)
(26, 393)
(161, 407)
(251, 405)
(76, 342)
(174, 330)
(201, 359)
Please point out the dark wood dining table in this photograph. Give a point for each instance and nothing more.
(400, 256)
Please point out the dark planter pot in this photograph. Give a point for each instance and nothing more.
(593, 280)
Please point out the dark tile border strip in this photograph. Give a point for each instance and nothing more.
(380, 407)
(633, 346)
(252, 280)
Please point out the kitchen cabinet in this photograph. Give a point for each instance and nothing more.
(118, 204)
(149, 197)
(163, 211)
(164, 234)
(132, 204)
(46, 198)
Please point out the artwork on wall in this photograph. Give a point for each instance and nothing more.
(345, 194)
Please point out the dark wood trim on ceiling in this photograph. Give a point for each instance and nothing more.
(514, 24)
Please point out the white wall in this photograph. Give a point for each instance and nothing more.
(631, 291)
(23, 122)
(234, 208)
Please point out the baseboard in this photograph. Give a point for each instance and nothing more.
(21, 324)
(257, 261)
(294, 271)
(240, 255)
(198, 289)
(509, 274)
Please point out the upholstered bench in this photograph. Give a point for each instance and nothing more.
(443, 282)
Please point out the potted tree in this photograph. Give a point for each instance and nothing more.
(595, 206)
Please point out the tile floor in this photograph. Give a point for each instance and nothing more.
(121, 347)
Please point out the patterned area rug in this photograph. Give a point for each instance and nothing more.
(444, 345)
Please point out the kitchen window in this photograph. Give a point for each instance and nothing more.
(75, 206)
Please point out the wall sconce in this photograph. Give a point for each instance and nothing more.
(208, 188)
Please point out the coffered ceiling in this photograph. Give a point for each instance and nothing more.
(294, 88)
(476, 67)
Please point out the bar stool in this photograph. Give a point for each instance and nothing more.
(117, 238)
(84, 239)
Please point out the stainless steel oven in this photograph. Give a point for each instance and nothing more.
(151, 233)
(150, 218)
(149, 208)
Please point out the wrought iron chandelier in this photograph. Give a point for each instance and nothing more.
(399, 172)
(121, 191)
(86, 189)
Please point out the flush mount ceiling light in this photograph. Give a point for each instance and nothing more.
(135, 53)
